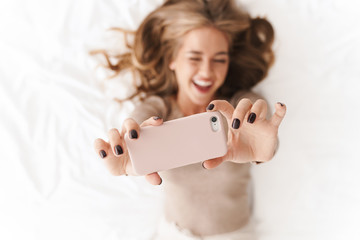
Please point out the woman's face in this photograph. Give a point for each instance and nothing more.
(201, 64)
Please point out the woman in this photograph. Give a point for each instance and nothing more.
(193, 56)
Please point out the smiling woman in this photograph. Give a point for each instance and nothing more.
(53, 106)
(194, 56)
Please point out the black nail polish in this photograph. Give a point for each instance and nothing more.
(118, 150)
(102, 154)
(133, 134)
(156, 118)
(281, 104)
(251, 118)
(210, 107)
(236, 123)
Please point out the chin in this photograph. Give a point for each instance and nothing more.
(204, 100)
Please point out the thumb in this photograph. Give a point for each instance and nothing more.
(152, 121)
(153, 178)
(212, 163)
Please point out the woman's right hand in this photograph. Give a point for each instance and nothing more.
(115, 153)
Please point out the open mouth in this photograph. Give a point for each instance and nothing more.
(202, 86)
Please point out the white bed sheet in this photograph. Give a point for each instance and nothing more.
(54, 103)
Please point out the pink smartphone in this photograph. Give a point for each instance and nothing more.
(178, 142)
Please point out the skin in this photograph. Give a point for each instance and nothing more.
(203, 56)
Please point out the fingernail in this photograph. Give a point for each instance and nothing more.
(202, 164)
(251, 118)
(156, 118)
(210, 107)
(236, 123)
(161, 181)
(102, 154)
(133, 134)
(118, 150)
(281, 104)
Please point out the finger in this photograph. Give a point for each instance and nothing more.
(212, 163)
(280, 111)
(116, 142)
(258, 111)
(153, 178)
(101, 147)
(153, 121)
(131, 127)
(113, 164)
(223, 106)
(240, 111)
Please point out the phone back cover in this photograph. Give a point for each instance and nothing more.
(177, 143)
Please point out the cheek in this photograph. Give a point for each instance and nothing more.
(221, 73)
(182, 78)
(185, 72)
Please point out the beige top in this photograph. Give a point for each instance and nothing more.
(206, 202)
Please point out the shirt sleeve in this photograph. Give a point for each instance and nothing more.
(151, 106)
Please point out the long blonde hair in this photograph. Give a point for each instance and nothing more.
(158, 38)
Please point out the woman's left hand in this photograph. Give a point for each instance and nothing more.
(251, 136)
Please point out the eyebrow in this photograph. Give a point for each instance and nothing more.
(199, 53)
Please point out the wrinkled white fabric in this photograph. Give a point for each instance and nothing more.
(169, 230)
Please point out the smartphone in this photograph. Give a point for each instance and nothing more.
(178, 142)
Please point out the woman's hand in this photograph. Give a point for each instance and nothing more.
(251, 137)
(115, 152)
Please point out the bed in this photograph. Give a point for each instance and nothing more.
(54, 102)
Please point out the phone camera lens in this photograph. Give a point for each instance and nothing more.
(213, 119)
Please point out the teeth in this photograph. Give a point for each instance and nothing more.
(202, 83)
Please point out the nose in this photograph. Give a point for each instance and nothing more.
(206, 69)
